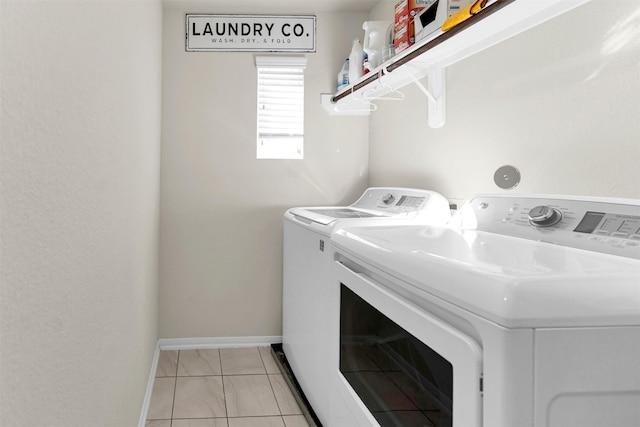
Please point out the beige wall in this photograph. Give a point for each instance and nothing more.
(559, 102)
(80, 136)
(221, 209)
(80, 131)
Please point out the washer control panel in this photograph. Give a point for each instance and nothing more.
(393, 200)
(598, 224)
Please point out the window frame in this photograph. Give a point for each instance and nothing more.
(288, 144)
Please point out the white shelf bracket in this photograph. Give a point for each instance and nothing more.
(436, 95)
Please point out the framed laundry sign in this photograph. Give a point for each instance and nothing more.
(250, 33)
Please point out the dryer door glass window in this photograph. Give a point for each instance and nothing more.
(400, 379)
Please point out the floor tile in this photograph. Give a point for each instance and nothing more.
(249, 396)
(267, 358)
(256, 422)
(199, 363)
(201, 422)
(161, 399)
(286, 402)
(191, 386)
(295, 421)
(241, 361)
(199, 397)
(167, 363)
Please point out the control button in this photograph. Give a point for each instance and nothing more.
(601, 232)
(619, 234)
(631, 243)
(544, 216)
(388, 198)
(635, 237)
(483, 205)
(613, 242)
(596, 238)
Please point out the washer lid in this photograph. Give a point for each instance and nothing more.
(328, 215)
(511, 281)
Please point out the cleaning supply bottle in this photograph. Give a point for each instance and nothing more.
(355, 61)
(366, 65)
(343, 75)
(376, 34)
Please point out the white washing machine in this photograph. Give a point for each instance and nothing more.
(523, 312)
(307, 266)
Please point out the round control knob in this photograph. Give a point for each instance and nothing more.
(388, 198)
(544, 216)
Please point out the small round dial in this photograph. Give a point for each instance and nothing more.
(388, 198)
(544, 216)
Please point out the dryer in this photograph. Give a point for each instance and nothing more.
(306, 269)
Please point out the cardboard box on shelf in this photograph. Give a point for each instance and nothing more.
(456, 6)
(404, 36)
(405, 10)
(404, 28)
(401, 14)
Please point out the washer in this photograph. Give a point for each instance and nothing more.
(306, 272)
(522, 312)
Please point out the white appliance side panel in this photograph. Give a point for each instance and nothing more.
(587, 377)
(305, 277)
(508, 375)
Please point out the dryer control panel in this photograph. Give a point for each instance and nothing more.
(597, 224)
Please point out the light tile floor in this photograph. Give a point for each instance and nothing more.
(228, 387)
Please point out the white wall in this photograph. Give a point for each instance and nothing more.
(80, 136)
(559, 102)
(221, 209)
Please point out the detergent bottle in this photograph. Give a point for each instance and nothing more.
(376, 36)
(355, 61)
(343, 75)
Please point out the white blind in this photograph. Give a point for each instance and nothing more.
(280, 107)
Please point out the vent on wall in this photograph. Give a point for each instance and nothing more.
(507, 177)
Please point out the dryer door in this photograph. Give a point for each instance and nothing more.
(403, 366)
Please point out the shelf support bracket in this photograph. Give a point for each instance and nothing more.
(435, 93)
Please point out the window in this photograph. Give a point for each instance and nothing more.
(280, 107)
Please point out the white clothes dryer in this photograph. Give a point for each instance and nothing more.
(306, 269)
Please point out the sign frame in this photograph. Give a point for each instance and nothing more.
(249, 33)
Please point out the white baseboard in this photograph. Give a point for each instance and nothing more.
(147, 396)
(196, 344)
(215, 342)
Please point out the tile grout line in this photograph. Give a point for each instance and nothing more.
(175, 386)
(264, 365)
(224, 392)
(274, 395)
(271, 385)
